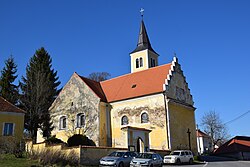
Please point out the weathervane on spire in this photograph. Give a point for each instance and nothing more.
(142, 12)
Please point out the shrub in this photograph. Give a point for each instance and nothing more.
(53, 140)
(79, 139)
(10, 145)
(49, 157)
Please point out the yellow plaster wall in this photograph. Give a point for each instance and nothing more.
(103, 124)
(182, 118)
(17, 119)
(154, 106)
(146, 55)
(43, 147)
(154, 56)
(134, 56)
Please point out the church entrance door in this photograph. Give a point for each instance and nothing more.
(137, 138)
(140, 145)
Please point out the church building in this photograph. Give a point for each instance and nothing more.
(149, 108)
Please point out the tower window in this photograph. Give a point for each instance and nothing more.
(152, 62)
(124, 120)
(139, 62)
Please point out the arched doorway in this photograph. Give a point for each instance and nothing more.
(140, 145)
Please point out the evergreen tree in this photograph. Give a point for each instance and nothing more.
(39, 90)
(8, 90)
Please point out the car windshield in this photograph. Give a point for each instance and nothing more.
(116, 154)
(144, 156)
(175, 153)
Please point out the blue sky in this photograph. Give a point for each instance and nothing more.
(211, 39)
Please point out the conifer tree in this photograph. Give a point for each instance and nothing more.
(39, 89)
(8, 90)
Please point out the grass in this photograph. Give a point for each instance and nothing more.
(9, 160)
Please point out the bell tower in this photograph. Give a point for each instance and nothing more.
(143, 57)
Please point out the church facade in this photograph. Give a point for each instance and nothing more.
(149, 108)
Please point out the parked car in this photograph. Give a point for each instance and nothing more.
(179, 156)
(118, 159)
(147, 159)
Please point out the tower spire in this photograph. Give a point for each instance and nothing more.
(143, 40)
(144, 56)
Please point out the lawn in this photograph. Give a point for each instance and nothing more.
(9, 160)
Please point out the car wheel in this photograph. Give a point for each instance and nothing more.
(191, 161)
(151, 165)
(178, 161)
(121, 164)
(161, 164)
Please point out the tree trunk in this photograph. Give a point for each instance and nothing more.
(34, 136)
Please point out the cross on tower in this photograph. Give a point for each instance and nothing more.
(142, 12)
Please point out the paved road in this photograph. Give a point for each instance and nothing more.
(217, 164)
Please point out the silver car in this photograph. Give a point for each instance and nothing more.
(147, 159)
(118, 159)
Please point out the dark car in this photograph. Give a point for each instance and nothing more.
(147, 159)
(118, 158)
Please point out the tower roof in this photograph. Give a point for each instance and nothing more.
(143, 41)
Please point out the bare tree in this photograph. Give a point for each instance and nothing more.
(214, 127)
(99, 76)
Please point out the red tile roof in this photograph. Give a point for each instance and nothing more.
(199, 133)
(137, 84)
(6, 106)
(141, 83)
(96, 87)
(236, 144)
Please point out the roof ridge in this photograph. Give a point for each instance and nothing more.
(137, 72)
(99, 94)
(87, 78)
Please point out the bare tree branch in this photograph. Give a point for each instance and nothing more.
(214, 127)
(99, 76)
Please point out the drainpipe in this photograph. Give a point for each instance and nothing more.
(167, 118)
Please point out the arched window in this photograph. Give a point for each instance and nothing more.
(80, 120)
(137, 63)
(124, 120)
(62, 122)
(144, 118)
(141, 62)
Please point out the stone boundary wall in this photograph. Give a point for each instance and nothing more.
(91, 155)
(87, 155)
